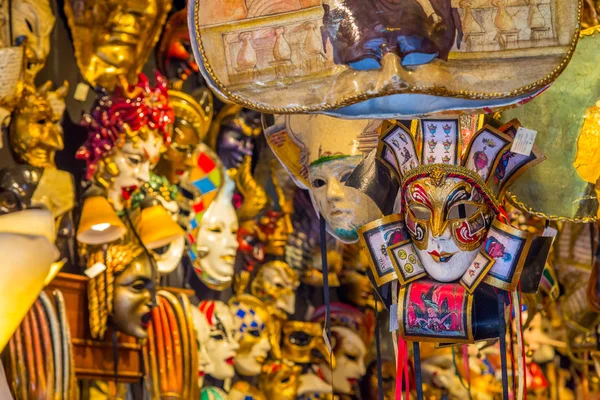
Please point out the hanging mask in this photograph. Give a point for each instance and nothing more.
(250, 317)
(212, 231)
(275, 284)
(114, 38)
(121, 152)
(192, 120)
(412, 57)
(222, 346)
(330, 157)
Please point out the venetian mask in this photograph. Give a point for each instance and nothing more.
(356, 288)
(222, 346)
(130, 300)
(350, 333)
(113, 38)
(321, 153)
(250, 317)
(33, 20)
(216, 240)
(303, 342)
(175, 58)
(448, 219)
(192, 120)
(275, 284)
(202, 338)
(280, 380)
(121, 152)
(35, 132)
(233, 134)
(371, 381)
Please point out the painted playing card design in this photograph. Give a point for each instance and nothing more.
(440, 141)
(477, 271)
(401, 142)
(406, 262)
(484, 149)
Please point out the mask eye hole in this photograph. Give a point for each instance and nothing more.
(317, 183)
(420, 212)
(462, 211)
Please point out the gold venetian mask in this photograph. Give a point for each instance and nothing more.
(303, 342)
(114, 37)
(388, 373)
(280, 380)
(275, 284)
(250, 319)
(448, 219)
(356, 286)
(35, 132)
(192, 120)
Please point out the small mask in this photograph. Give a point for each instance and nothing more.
(192, 120)
(35, 132)
(120, 152)
(34, 21)
(202, 329)
(130, 302)
(250, 317)
(280, 380)
(222, 346)
(448, 219)
(303, 342)
(275, 284)
(113, 38)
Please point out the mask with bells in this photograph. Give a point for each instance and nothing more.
(113, 38)
(250, 317)
(132, 294)
(351, 334)
(192, 120)
(222, 346)
(120, 152)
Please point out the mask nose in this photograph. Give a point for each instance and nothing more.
(392, 73)
(334, 190)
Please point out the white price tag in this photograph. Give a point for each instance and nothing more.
(524, 140)
(95, 270)
(394, 317)
(81, 91)
(326, 339)
(550, 232)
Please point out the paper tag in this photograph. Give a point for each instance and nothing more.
(326, 340)
(523, 143)
(550, 232)
(394, 317)
(81, 91)
(95, 270)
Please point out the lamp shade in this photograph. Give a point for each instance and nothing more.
(99, 222)
(156, 228)
(27, 256)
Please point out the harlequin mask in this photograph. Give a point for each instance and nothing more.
(33, 20)
(351, 333)
(321, 153)
(35, 131)
(192, 120)
(222, 346)
(250, 317)
(120, 152)
(202, 329)
(113, 38)
(302, 342)
(275, 284)
(280, 380)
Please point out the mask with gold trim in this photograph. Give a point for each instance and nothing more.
(113, 38)
(280, 380)
(120, 152)
(35, 131)
(250, 318)
(192, 121)
(275, 284)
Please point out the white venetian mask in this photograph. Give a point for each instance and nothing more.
(202, 337)
(350, 366)
(345, 208)
(222, 346)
